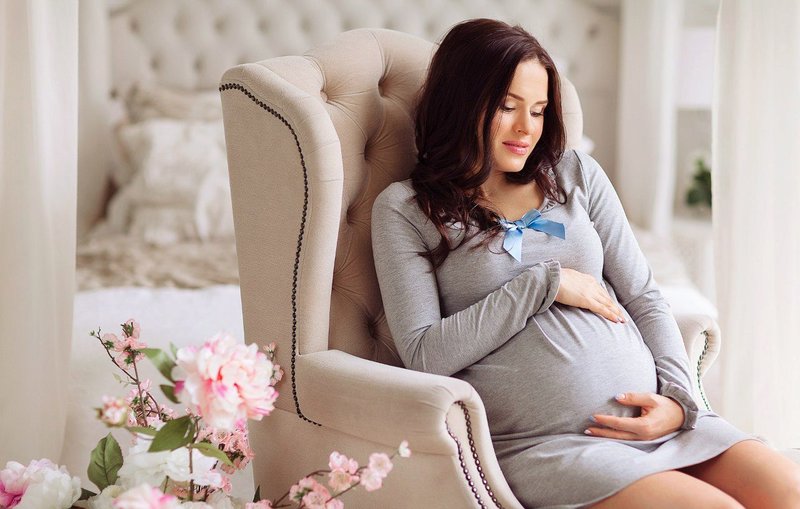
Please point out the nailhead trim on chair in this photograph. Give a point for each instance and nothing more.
(699, 363)
(464, 469)
(236, 86)
(475, 455)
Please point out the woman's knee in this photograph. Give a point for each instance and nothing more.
(790, 486)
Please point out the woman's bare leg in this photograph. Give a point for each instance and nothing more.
(753, 474)
(669, 490)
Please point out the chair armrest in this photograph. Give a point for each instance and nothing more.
(386, 404)
(378, 402)
(701, 336)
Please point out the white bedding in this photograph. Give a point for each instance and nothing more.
(124, 260)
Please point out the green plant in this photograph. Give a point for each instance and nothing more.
(700, 192)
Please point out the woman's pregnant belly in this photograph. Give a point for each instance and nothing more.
(567, 364)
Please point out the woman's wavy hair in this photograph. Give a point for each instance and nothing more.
(467, 83)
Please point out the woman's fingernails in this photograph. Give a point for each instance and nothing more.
(588, 432)
(620, 396)
(592, 418)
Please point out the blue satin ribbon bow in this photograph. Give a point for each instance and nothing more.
(533, 220)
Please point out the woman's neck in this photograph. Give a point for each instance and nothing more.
(510, 199)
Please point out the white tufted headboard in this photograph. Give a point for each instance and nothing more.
(188, 44)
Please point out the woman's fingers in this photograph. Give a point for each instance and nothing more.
(608, 311)
(630, 424)
(612, 311)
(584, 291)
(611, 433)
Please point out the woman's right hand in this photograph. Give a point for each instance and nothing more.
(583, 291)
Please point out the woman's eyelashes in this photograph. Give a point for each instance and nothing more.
(506, 109)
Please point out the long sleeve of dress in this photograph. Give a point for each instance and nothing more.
(627, 270)
(425, 340)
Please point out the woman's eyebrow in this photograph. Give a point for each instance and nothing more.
(515, 96)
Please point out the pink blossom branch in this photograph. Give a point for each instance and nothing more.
(97, 335)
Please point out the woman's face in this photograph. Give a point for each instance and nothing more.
(517, 125)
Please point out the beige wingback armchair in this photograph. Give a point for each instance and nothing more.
(311, 141)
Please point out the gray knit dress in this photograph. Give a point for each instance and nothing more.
(540, 367)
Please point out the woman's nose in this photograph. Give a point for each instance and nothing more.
(523, 124)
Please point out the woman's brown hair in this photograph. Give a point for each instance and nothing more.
(467, 83)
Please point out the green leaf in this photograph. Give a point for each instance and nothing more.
(169, 392)
(257, 496)
(212, 451)
(174, 435)
(144, 431)
(173, 349)
(105, 462)
(161, 361)
(86, 494)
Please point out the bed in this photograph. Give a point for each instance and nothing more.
(161, 249)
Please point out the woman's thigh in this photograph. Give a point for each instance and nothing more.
(753, 474)
(669, 490)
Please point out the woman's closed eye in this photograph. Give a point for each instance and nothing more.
(507, 109)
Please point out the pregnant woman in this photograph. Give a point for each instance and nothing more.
(507, 262)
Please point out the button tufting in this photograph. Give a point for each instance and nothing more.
(134, 25)
(263, 24)
(155, 63)
(198, 64)
(323, 95)
(592, 31)
(220, 24)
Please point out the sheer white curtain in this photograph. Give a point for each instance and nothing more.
(645, 174)
(38, 153)
(756, 161)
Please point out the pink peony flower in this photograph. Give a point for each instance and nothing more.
(13, 483)
(145, 497)
(114, 412)
(403, 450)
(225, 382)
(41, 484)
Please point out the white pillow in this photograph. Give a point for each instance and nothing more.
(178, 188)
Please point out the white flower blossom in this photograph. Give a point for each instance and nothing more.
(52, 488)
(105, 498)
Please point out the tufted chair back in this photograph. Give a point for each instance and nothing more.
(312, 140)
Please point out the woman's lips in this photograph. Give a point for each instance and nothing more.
(516, 147)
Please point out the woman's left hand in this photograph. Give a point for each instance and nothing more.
(660, 416)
